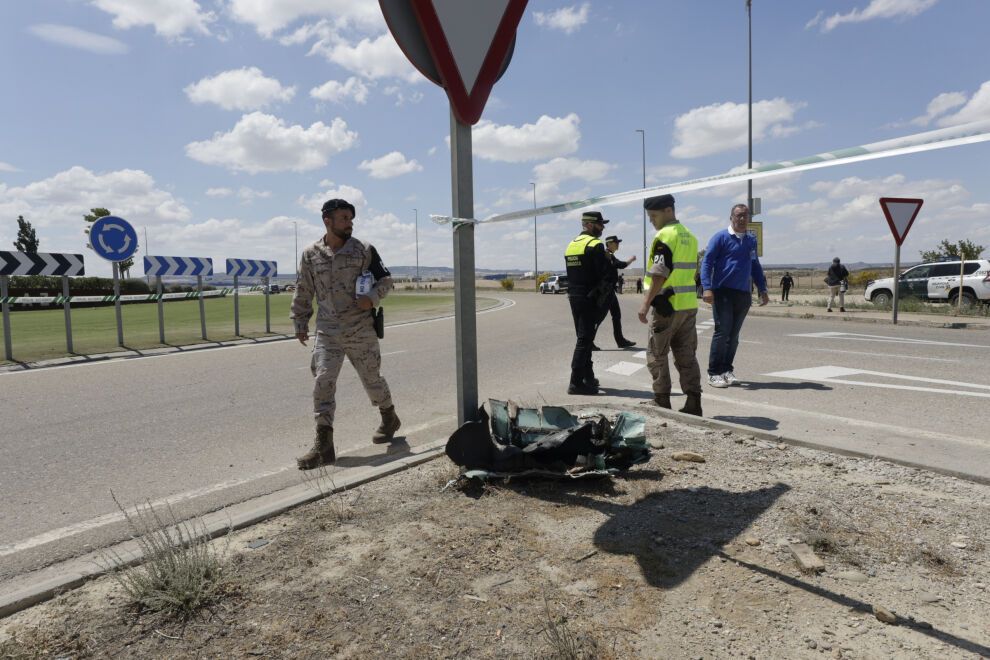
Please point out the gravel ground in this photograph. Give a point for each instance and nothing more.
(675, 559)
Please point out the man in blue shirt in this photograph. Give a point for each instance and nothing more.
(727, 271)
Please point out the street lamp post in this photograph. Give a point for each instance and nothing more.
(536, 262)
(749, 182)
(416, 211)
(642, 133)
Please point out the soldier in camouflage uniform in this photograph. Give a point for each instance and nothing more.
(329, 269)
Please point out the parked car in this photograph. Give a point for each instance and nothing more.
(936, 282)
(554, 284)
(274, 288)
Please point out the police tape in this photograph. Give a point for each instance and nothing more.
(955, 136)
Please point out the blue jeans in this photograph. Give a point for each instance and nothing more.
(729, 309)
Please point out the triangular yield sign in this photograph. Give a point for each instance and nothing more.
(468, 40)
(900, 213)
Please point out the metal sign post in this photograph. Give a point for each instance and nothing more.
(465, 320)
(115, 240)
(237, 311)
(962, 274)
(68, 314)
(8, 349)
(202, 306)
(116, 304)
(900, 213)
(161, 308)
(268, 309)
(252, 268)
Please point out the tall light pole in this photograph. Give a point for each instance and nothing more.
(536, 266)
(416, 211)
(642, 133)
(749, 182)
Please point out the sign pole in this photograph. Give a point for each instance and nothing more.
(202, 308)
(68, 314)
(237, 311)
(462, 198)
(8, 350)
(116, 304)
(897, 276)
(268, 309)
(161, 309)
(962, 274)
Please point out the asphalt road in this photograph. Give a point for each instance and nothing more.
(208, 428)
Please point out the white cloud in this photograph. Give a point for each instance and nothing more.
(565, 19)
(270, 16)
(248, 195)
(7, 167)
(977, 108)
(723, 126)
(389, 166)
(370, 58)
(56, 205)
(338, 92)
(547, 138)
(658, 173)
(170, 18)
(403, 97)
(240, 89)
(314, 203)
(66, 35)
(939, 106)
(219, 192)
(877, 9)
(548, 176)
(263, 143)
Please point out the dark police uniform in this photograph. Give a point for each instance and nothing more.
(612, 304)
(587, 272)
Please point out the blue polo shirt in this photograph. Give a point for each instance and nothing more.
(730, 262)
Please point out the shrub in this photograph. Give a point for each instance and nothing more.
(508, 284)
(860, 278)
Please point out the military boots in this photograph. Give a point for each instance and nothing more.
(693, 405)
(322, 452)
(662, 400)
(390, 424)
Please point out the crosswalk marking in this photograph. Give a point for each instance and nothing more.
(625, 368)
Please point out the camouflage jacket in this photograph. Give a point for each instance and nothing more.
(330, 276)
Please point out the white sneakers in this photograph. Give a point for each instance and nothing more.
(723, 380)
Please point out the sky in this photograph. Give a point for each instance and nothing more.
(219, 127)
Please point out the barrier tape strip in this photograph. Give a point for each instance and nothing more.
(971, 133)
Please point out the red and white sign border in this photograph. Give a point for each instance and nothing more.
(890, 221)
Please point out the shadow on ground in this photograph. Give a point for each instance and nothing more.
(764, 423)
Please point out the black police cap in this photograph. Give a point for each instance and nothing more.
(613, 239)
(658, 203)
(593, 216)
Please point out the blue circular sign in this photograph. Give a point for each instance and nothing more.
(113, 238)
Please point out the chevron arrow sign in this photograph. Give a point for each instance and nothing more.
(41, 263)
(164, 266)
(252, 268)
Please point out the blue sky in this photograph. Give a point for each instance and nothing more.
(220, 126)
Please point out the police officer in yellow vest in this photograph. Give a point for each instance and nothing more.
(587, 291)
(670, 290)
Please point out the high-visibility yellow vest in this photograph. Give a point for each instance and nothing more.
(578, 266)
(685, 248)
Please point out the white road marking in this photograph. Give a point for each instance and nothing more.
(625, 368)
(832, 374)
(855, 336)
(640, 356)
(892, 355)
(110, 518)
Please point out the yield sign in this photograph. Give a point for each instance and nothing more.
(469, 41)
(900, 213)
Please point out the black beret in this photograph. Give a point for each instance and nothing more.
(613, 239)
(593, 216)
(334, 204)
(658, 203)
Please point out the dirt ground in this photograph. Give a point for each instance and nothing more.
(672, 560)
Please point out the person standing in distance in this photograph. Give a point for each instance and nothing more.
(729, 267)
(348, 279)
(588, 286)
(836, 281)
(786, 282)
(671, 292)
(612, 306)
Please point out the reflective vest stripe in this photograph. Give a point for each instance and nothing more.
(685, 289)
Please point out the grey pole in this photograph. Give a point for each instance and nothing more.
(749, 183)
(116, 304)
(68, 314)
(962, 274)
(202, 308)
(897, 277)
(268, 309)
(416, 211)
(8, 350)
(237, 311)
(161, 309)
(146, 251)
(642, 132)
(536, 260)
(465, 321)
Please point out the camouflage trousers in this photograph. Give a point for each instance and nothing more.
(674, 334)
(361, 348)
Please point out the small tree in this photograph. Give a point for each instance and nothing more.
(27, 239)
(945, 249)
(93, 216)
(508, 284)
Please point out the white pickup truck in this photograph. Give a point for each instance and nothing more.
(554, 284)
